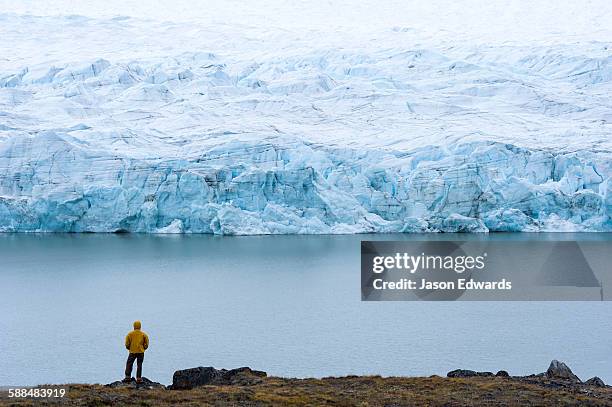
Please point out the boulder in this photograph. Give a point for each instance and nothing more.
(243, 376)
(202, 376)
(502, 373)
(461, 373)
(145, 384)
(559, 370)
(468, 373)
(595, 381)
(190, 378)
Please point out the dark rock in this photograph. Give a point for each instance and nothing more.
(468, 373)
(243, 376)
(559, 370)
(202, 376)
(461, 373)
(595, 381)
(190, 378)
(145, 384)
(502, 373)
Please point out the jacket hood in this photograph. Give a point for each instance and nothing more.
(137, 325)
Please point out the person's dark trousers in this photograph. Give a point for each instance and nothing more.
(138, 357)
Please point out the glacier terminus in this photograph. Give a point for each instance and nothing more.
(134, 124)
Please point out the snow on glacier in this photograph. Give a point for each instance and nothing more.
(151, 125)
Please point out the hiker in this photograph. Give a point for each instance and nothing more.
(136, 342)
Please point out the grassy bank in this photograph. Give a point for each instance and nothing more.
(343, 391)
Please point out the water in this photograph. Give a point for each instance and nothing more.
(289, 305)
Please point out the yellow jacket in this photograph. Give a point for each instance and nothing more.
(136, 341)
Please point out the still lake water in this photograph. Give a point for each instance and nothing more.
(289, 305)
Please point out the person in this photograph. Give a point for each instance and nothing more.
(136, 342)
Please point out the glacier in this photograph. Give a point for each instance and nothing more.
(129, 124)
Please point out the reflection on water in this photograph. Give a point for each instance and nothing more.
(289, 305)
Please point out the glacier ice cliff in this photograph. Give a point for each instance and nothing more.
(377, 136)
(56, 183)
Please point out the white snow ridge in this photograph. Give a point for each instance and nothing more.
(143, 125)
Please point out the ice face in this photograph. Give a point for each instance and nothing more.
(55, 182)
(210, 131)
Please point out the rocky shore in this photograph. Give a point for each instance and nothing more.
(207, 386)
